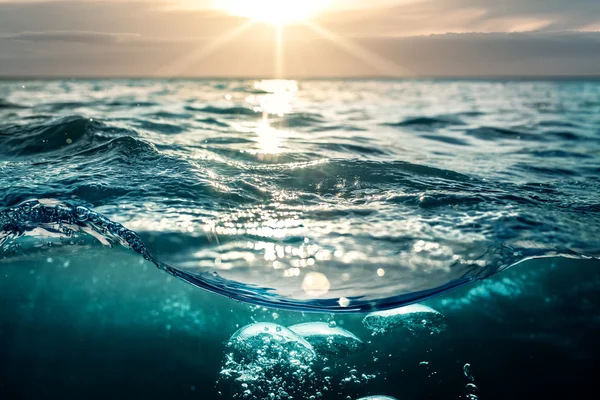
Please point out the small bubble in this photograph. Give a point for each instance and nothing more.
(82, 213)
(471, 388)
(332, 324)
(467, 372)
(69, 141)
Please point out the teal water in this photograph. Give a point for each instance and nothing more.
(293, 203)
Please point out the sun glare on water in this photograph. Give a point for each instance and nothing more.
(278, 12)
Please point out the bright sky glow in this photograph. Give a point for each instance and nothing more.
(278, 12)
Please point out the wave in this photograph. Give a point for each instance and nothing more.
(447, 140)
(348, 148)
(55, 137)
(170, 115)
(299, 120)
(426, 123)
(7, 105)
(235, 111)
(159, 127)
(122, 148)
(496, 134)
(555, 153)
(59, 106)
(213, 121)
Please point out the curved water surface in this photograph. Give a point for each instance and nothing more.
(326, 195)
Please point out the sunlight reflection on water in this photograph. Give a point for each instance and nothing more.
(274, 98)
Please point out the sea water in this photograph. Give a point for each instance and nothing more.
(298, 240)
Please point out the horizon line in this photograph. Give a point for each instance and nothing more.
(307, 78)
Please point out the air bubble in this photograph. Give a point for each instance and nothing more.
(468, 373)
(416, 318)
(327, 340)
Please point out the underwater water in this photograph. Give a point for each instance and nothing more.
(411, 239)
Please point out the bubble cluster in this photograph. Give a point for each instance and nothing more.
(471, 389)
(268, 361)
(355, 378)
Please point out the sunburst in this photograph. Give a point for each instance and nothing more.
(277, 12)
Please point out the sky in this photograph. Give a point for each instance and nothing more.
(349, 38)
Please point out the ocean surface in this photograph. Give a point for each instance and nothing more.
(325, 239)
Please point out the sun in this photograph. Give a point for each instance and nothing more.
(278, 12)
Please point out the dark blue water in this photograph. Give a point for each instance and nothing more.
(328, 196)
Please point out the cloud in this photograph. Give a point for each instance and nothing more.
(46, 37)
(152, 19)
(74, 37)
(442, 16)
(561, 14)
(448, 55)
(162, 19)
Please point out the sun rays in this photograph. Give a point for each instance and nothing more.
(380, 64)
(176, 67)
(279, 15)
